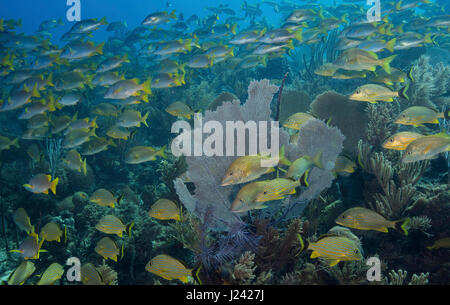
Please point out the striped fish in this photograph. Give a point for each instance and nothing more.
(30, 247)
(22, 220)
(90, 275)
(53, 273)
(107, 248)
(365, 219)
(168, 268)
(110, 224)
(51, 232)
(165, 209)
(277, 189)
(335, 249)
(22, 273)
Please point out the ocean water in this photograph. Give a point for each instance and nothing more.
(224, 142)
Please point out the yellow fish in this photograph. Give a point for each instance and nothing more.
(344, 165)
(180, 109)
(427, 147)
(419, 115)
(140, 154)
(104, 198)
(335, 249)
(107, 248)
(248, 168)
(22, 220)
(440, 243)
(165, 209)
(365, 219)
(41, 183)
(22, 273)
(110, 224)
(6, 143)
(277, 189)
(52, 232)
(300, 168)
(53, 273)
(401, 140)
(90, 275)
(74, 162)
(245, 198)
(168, 268)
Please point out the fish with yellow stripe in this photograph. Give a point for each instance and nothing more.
(165, 209)
(168, 268)
(53, 273)
(333, 249)
(22, 220)
(90, 275)
(107, 248)
(365, 219)
(30, 247)
(22, 273)
(277, 189)
(111, 224)
(52, 232)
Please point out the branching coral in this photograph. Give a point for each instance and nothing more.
(243, 272)
(108, 275)
(398, 278)
(430, 81)
(276, 250)
(380, 125)
(397, 193)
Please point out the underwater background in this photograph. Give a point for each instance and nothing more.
(88, 171)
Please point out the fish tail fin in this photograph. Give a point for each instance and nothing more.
(447, 114)
(49, 80)
(304, 179)
(99, 48)
(53, 185)
(299, 34)
(129, 227)
(402, 92)
(120, 198)
(410, 76)
(401, 225)
(317, 160)
(121, 252)
(398, 5)
(35, 91)
(427, 38)
(125, 58)
(283, 159)
(303, 244)
(92, 133)
(386, 63)
(146, 86)
(195, 274)
(84, 167)
(390, 44)
(103, 21)
(144, 118)
(15, 143)
(161, 152)
(233, 29)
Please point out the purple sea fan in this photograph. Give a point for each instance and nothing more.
(206, 172)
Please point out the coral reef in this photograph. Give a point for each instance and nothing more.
(430, 81)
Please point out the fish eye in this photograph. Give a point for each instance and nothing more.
(356, 251)
(265, 193)
(391, 140)
(231, 173)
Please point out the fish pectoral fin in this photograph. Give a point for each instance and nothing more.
(385, 230)
(314, 254)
